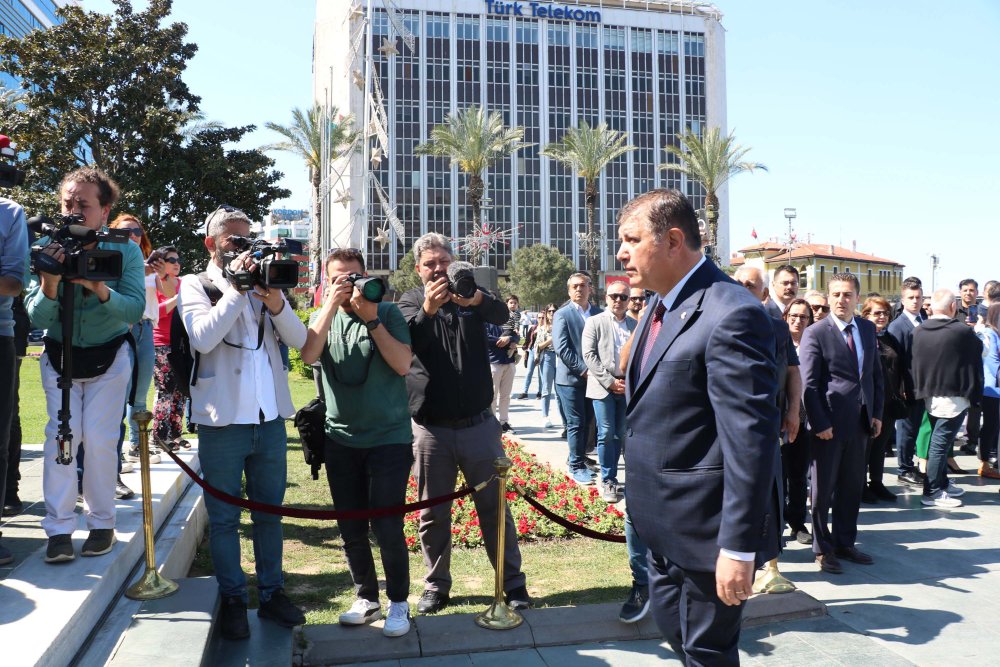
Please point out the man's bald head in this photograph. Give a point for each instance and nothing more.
(943, 302)
(752, 278)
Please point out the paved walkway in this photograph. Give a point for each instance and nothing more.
(933, 595)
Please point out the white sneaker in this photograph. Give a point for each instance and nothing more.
(942, 500)
(954, 490)
(547, 424)
(127, 467)
(397, 623)
(133, 455)
(361, 612)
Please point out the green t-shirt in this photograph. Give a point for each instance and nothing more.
(366, 401)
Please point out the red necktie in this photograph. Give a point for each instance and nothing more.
(849, 330)
(654, 331)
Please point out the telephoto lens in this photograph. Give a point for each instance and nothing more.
(371, 288)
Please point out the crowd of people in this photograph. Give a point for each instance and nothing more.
(738, 406)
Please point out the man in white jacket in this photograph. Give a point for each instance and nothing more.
(239, 400)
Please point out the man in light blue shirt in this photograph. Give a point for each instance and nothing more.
(13, 250)
(102, 366)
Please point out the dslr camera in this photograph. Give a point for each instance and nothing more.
(10, 176)
(372, 288)
(462, 279)
(268, 270)
(78, 262)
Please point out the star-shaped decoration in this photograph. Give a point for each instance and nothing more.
(359, 79)
(344, 198)
(382, 237)
(377, 156)
(388, 47)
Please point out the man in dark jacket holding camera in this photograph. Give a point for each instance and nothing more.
(450, 388)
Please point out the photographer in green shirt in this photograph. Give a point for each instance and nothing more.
(364, 350)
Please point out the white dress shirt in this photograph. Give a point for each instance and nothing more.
(858, 350)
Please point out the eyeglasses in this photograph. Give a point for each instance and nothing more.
(618, 297)
(820, 309)
(172, 260)
(134, 231)
(880, 313)
(798, 317)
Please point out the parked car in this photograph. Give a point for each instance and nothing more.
(35, 335)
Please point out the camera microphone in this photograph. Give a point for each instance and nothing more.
(462, 279)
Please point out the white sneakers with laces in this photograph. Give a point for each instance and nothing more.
(397, 623)
(941, 500)
(361, 612)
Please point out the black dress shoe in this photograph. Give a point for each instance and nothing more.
(233, 618)
(591, 464)
(13, 506)
(966, 448)
(868, 497)
(882, 493)
(910, 478)
(855, 556)
(522, 396)
(432, 602)
(829, 563)
(956, 470)
(801, 535)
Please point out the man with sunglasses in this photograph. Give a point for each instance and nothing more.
(818, 304)
(240, 400)
(636, 302)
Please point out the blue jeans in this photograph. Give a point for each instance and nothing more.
(227, 452)
(636, 553)
(547, 379)
(610, 414)
(533, 363)
(574, 404)
(942, 438)
(143, 333)
(906, 436)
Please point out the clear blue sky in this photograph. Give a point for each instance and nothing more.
(878, 120)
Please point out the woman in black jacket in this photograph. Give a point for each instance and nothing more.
(878, 311)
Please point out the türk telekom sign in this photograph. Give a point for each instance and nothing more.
(542, 10)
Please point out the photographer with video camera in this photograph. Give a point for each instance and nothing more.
(450, 385)
(90, 280)
(233, 313)
(363, 346)
(13, 250)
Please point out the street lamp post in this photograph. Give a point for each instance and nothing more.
(790, 214)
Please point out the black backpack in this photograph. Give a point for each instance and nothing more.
(310, 420)
(182, 357)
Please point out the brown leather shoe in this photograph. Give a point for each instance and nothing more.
(855, 556)
(829, 563)
(988, 471)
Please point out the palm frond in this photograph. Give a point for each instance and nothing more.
(710, 160)
(588, 150)
(473, 139)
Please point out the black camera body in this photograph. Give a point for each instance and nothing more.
(78, 262)
(10, 176)
(268, 271)
(372, 288)
(462, 280)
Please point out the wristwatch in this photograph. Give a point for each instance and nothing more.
(373, 324)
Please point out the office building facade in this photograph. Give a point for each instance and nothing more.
(648, 68)
(19, 17)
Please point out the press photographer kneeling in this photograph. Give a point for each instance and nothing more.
(105, 293)
(233, 313)
(363, 346)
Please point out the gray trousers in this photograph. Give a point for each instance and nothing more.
(438, 454)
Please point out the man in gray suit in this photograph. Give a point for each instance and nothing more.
(603, 338)
(571, 372)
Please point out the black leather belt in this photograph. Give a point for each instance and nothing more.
(460, 422)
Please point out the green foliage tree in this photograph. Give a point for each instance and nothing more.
(107, 90)
(304, 137)
(473, 139)
(587, 151)
(538, 274)
(711, 160)
(405, 277)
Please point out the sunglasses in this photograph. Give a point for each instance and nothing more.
(637, 298)
(134, 231)
(880, 313)
(820, 309)
(172, 260)
(618, 297)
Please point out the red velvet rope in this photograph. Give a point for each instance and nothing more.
(326, 515)
(569, 525)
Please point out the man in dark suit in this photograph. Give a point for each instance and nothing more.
(842, 380)
(901, 329)
(702, 434)
(571, 372)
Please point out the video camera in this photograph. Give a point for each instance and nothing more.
(268, 271)
(372, 288)
(462, 279)
(10, 176)
(78, 262)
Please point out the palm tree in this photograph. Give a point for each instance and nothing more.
(710, 161)
(304, 137)
(587, 151)
(474, 139)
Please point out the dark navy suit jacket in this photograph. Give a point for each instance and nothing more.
(567, 341)
(901, 329)
(702, 434)
(834, 394)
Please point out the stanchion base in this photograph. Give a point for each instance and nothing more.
(771, 581)
(499, 617)
(152, 586)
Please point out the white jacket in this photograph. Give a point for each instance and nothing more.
(219, 367)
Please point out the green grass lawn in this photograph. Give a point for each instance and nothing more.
(559, 572)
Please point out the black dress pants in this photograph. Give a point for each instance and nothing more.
(794, 471)
(700, 629)
(876, 452)
(990, 432)
(838, 479)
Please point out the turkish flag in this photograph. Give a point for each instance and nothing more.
(754, 233)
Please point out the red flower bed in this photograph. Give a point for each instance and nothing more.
(559, 493)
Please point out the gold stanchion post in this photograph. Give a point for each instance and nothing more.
(772, 581)
(499, 616)
(151, 586)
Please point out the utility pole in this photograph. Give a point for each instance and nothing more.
(935, 262)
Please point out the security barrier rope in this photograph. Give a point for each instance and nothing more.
(565, 523)
(325, 515)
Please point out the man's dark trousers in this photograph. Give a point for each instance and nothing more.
(972, 425)
(713, 628)
(837, 475)
(8, 367)
(795, 471)
(906, 435)
(14, 445)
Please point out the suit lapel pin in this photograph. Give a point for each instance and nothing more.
(684, 314)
